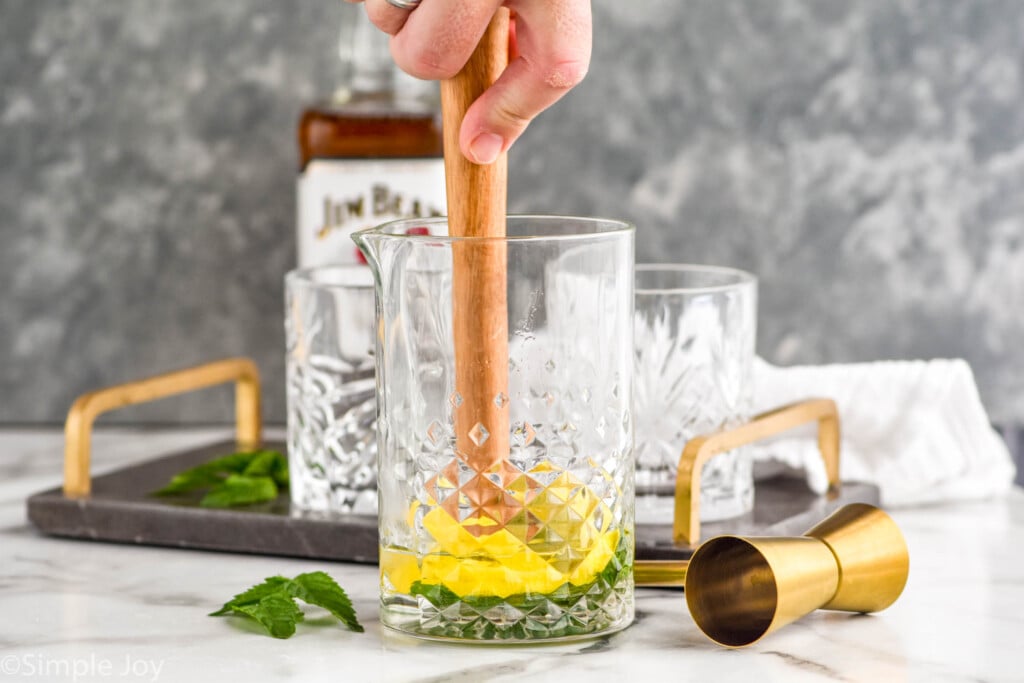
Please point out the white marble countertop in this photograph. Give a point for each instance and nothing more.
(82, 611)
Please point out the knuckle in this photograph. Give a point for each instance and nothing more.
(375, 13)
(508, 113)
(565, 74)
(387, 21)
(430, 65)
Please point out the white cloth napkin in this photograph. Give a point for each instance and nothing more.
(917, 429)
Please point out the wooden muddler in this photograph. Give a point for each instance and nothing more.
(476, 208)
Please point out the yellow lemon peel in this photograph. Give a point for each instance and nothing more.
(564, 537)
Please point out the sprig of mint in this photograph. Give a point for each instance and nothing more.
(243, 478)
(565, 598)
(272, 603)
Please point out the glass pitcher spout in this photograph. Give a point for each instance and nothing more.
(368, 241)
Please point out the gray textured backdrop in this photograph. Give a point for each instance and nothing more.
(865, 159)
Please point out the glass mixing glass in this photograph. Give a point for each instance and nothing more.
(536, 541)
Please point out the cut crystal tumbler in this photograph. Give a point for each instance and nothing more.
(332, 407)
(694, 336)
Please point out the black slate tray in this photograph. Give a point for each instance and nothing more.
(120, 510)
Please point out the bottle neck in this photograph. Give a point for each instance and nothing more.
(372, 70)
(370, 74)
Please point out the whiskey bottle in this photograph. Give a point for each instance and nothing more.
(369, 154)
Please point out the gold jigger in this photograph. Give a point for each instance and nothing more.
(740, 589)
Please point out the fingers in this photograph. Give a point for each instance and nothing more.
(552, 54)
(440, 35)
(553, 38)
(386, 16)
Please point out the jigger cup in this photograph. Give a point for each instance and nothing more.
(740, 589)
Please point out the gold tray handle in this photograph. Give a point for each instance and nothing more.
(87, 407)
(700, 449)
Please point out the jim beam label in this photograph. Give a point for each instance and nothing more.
(338, 197)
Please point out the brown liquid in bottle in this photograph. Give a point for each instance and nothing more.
(374, 128)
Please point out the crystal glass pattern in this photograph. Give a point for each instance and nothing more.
(539, 544)
(694, 346)
(332, 405)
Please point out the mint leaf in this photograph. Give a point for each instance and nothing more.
(270, 585)
(280, 471)
(238, 479)
(239, 489)
(261, 464)
(213, 472)
(278, 613)
(269, 464)
(565, 597)
(318, 588)
(183, 483)
(438, 595)
(272, 603)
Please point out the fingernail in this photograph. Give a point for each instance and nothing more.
(485, 148)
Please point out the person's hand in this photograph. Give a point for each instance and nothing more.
(549, 53)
